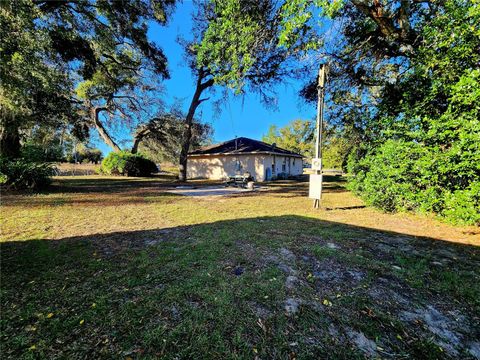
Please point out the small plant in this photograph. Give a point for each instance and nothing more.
(24, 174)
(126, 163)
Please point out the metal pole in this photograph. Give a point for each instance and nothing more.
(319, 123)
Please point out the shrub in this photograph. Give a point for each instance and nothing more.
(387, 178)
(463, 206)
(125, 163)
(85, 155)
(406, 175)
(24, 174)
(94, 155)
(89, 155)
(37, 153)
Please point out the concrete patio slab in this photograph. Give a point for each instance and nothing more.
(209, 190)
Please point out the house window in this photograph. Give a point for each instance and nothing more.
(293, 161)
(238, 166)
(284, 164)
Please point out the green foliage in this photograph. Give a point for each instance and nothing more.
(25, 174)
(300, 18)
(335, 151)
(126, 163)
(385, 178)
(403, 175)
(32, 91)
(463, 205)
(296, 136)
(96, 50)
(424, 151)
(237, 44)
(85, 154)
(39, 153)
(93, 155)
(220, 43)
(160, 139)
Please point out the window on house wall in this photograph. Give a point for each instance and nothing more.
(284, 164)
(293, 161)
(238, 166)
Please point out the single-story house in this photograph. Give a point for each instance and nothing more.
(241, 155)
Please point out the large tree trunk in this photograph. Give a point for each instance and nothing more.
(187, 132)
(9, 137)
(95, 113)
(137, 139)
(136, 142)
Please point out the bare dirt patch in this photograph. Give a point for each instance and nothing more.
(375, 313)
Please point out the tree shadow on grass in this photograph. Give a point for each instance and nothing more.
(346, 207)
(107, 184)
(280, 285)
(299, 187)
(72, 190)
(126, 190)
(139, 196)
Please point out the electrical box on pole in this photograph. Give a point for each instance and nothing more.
(316, 179)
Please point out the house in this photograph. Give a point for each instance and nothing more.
(242, 155)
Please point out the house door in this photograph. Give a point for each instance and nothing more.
(268, 174)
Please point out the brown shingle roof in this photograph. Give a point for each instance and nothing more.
(241, 145)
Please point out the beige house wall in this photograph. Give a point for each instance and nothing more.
(221, 166)
(284, 164)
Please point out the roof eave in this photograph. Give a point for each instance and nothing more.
(249, 153)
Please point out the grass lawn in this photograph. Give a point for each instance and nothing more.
(100, 267)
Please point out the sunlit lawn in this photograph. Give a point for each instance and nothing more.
(120, 268)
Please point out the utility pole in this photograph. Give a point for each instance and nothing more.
(316, 179)
(320, 102)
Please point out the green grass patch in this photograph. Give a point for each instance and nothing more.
(118, 268)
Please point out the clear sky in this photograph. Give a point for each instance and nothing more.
(239, 116)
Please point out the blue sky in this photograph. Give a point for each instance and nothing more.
(239, 116)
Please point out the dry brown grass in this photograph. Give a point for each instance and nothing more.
(97, 204)
(68, 169)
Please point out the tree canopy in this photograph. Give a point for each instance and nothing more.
(404, 76)
(296, 136)
(235, 46)
(69, 60)
(161, 138)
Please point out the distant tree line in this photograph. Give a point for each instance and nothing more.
(299, 136)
